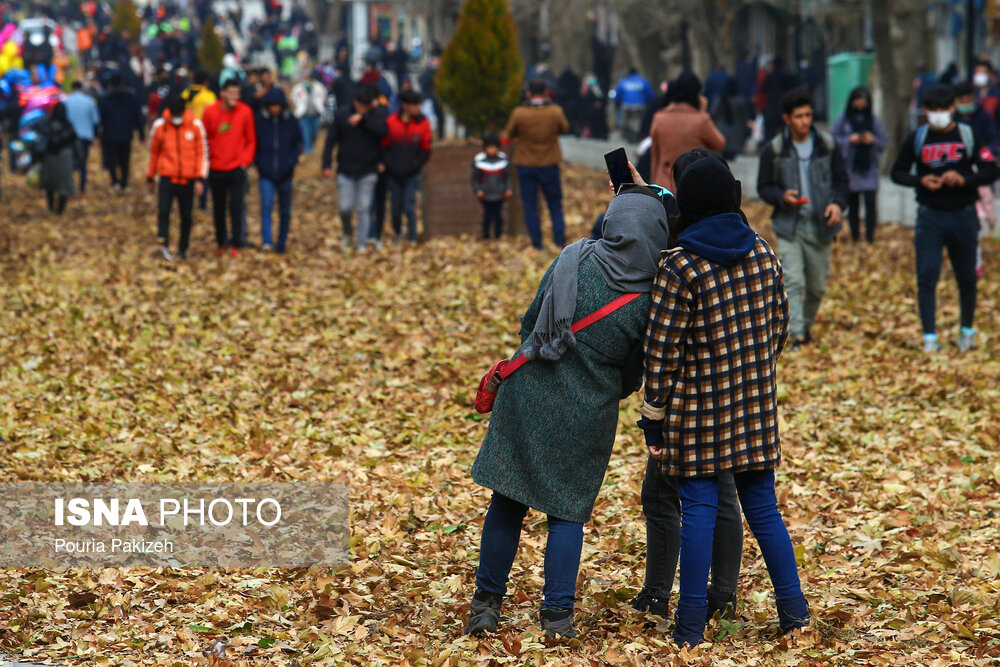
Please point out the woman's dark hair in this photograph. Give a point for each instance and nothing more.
(686, 88)
(938, 96)
(859, 93)
(795, 98)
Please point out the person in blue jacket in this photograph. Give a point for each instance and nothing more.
(279, 144)
(632, 95)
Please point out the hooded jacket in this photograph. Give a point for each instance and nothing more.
(718, 321)
(279, 139)
(177, 152)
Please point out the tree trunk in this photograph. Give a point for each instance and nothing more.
(326, 18)
(893, 109)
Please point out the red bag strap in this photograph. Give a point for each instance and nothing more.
(578, 326)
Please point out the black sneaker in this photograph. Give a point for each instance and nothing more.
(484, 613)
(647, 601)
(558, 623)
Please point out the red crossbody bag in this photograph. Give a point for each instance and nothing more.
(504, 368)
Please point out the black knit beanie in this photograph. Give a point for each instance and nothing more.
(706, 188)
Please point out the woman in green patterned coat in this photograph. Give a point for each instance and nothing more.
(554, 420)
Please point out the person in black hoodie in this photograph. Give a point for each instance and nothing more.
(121, 118)
(279, 144)
(358, 131)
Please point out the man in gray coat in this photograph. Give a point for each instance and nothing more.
(803, 175)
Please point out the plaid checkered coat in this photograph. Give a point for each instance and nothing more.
(713, 339)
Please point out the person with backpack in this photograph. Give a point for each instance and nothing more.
(803, 176)
(279, 144)
(718, 321)
(862, 138)
(178, 154)
(951, 161)
(554, 420)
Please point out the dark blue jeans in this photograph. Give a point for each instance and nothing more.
(403, 198)
(492, 219)
(83, 156)
(268, 188)
(529, 180)
(699, 507)
(958, 231)
(501, 535)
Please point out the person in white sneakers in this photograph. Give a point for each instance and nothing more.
(308, 104)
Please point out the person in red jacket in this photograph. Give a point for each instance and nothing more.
(178, 154)
(232, 144)
(405, 151)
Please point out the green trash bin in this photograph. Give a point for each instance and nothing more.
(845, 71)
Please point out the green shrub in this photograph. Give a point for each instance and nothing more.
(211, 50)
(481, 71)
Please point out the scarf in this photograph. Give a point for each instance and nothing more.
(861, 122)
(628, 256)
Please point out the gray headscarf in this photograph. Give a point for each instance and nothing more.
(635, 233)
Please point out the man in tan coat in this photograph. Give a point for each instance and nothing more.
(679, 128)
(536, 127)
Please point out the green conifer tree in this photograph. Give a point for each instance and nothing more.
(126, 17)
(210, 50)
(481, 71)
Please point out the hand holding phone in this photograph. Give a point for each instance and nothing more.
(618, 168)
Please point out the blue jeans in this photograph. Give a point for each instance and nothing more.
(699, 506)
(310, 128)
(958, 231)
(267, 192)
(501, 535)
(492, 219)
(529, 179)
(403, 198)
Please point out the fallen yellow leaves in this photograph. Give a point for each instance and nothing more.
(317, 366)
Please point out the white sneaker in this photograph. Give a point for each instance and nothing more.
(931, 344)
(362, 249)
(966, 339)
(166, 253)
(267, 247)
(378, 245)
(345, 243)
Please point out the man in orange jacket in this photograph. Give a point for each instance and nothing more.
(232, 145)
(178, 154)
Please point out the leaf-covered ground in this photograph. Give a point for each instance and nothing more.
(316, 366)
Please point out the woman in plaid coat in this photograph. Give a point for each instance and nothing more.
(718, 321)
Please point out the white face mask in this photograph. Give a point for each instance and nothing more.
(939, 119)
(981, 79)
(176, 121)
